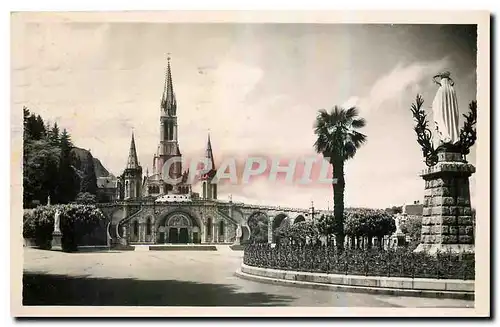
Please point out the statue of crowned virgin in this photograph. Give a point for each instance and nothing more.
(445, 110)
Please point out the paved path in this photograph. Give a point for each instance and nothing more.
(185, 278)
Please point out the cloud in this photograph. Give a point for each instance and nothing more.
(393, 84)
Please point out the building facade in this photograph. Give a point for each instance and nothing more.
(156, 209)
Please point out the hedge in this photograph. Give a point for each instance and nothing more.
(373, 262)
(75, 220)
(38, 224)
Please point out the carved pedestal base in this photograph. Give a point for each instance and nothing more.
(56, 240)
(447, 217)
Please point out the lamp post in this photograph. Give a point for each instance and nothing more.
(312, 210)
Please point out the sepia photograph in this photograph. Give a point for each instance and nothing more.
(296, 164)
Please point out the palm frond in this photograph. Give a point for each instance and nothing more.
(358, 123)
(336, 132)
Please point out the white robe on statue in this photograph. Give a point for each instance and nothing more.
(445, 108)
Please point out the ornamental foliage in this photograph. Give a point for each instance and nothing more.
(373, 262)
(424, 134)
(38, 224)
(75, 220)
(468, 133)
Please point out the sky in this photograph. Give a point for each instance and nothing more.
(257, 89)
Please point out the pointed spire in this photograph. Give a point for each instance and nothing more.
(208, 152)
(132, 161)
(168, 102)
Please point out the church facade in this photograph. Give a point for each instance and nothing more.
(182, 224)
(151, 209)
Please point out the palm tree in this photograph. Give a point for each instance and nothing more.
(337, 140)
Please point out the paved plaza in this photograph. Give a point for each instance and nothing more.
(176, 278)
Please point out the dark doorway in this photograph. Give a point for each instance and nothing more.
(183, 236)
(221, 231)
(173, 237)
(209, 229)
(196, 237)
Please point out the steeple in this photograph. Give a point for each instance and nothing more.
(209, 188)
(209, 154)
(168, 102)
(132, 162)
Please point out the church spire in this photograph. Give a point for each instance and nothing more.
(132, 162)
(168, 102)
(208, 152)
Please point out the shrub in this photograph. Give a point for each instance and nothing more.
(77, 220)
(38, 224)
(372, 262)
(86, 198)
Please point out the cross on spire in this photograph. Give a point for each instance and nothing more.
(168, 101)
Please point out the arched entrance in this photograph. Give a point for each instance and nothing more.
(178, 228)
(299, 219)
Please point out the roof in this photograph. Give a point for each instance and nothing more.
(413, 209)
(106, 182)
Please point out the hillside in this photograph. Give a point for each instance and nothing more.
(99, 169)
(83, 162)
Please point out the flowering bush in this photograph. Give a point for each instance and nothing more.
(38, 224)
(77, 220)
(372, 262)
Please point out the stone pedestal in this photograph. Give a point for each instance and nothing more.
(398, 239)
(239, 233)
(447, 217)
(56, 240)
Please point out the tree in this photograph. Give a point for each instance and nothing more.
(338, 140)
(326, 226)
(68, 182)
(53, 135)
(413, 228)
(300, 231)
(40, 171)
(364, 222)
(86, 198)
(258, 228)
(394, 210)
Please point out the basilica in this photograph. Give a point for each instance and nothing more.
(132, 185)
(161, 208)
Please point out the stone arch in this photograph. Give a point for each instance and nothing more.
(299, 219)
(258, 223)
(179, 226)
(245, 234)
(280, 221)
